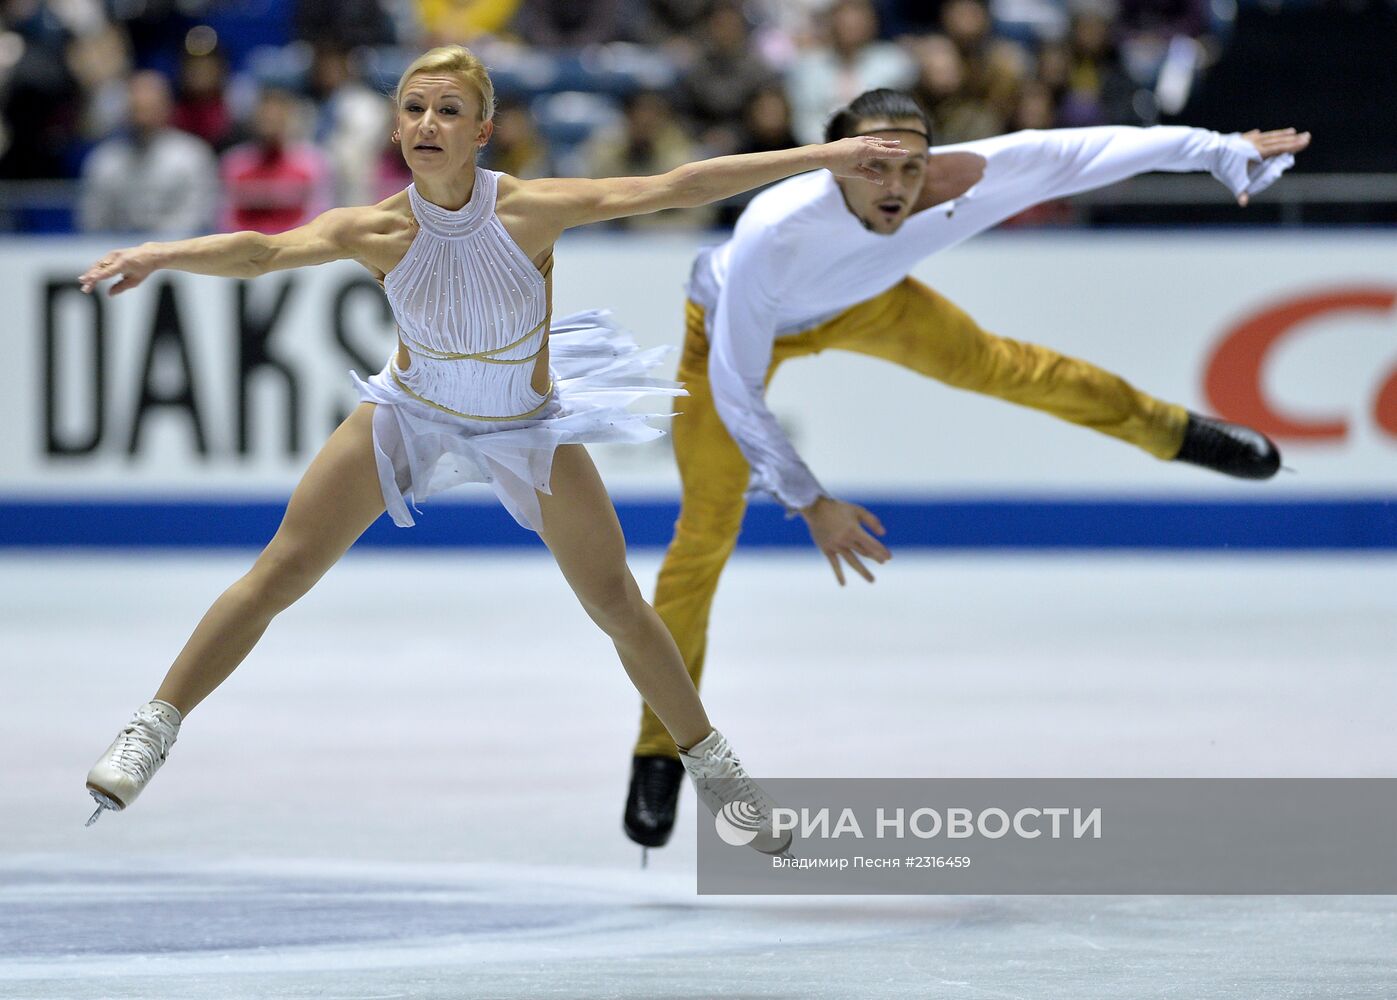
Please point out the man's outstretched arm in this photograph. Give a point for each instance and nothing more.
(1024, 169)
(742, 330)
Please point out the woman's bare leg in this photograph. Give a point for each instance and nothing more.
(336, 500)
(581, 530)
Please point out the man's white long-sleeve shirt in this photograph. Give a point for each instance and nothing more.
(798, 256)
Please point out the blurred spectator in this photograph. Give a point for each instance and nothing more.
(1055, 69)
(274, 182)
(1147, 28)
(389, 172)
(956, 115)
(34, 21)
(801, 22)
(967, 24)
(767, 123)
(157, 29)
(568, 24)
(723, 78)
(41, 102)
(1030, 21)
(909, 17)
(766, 127)
(201, 108)
(156, 180)
(648, 141)
(101, 61)
(993, 67)
(1098, 92)
(663, 23)
(852, 61)
(786, 28)
(460, 22)
(347, 24)
(1006, 66)
(351, 121)
(517, 147)
(1036, 108)
(1163, 17)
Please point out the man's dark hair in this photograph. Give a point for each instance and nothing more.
(881, 103)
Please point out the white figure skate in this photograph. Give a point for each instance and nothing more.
(133, 758)
(724, 786)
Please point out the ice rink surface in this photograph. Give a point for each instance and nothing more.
(413, 787)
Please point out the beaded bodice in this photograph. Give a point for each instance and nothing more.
(472, 310)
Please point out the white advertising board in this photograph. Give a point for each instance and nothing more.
(210, 387)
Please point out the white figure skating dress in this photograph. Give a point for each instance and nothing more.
(473, 313)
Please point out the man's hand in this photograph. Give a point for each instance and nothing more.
(838, 528)
(1275, 143)
(133, 264)
(851, 157)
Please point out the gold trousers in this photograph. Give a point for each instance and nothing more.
(909, 325)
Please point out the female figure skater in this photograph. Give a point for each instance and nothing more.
(464, 255)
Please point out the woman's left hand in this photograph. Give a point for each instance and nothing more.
(852, 157)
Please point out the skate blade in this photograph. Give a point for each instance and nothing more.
(104, 802)
(783, 852)
(766, 843)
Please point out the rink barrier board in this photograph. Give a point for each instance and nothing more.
(985, 523)
(194, 386)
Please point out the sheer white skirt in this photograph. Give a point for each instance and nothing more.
(598, 372)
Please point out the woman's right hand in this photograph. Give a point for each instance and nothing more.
(134, 264)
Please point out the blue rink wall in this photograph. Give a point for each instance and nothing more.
(184, 412)
(976, 524)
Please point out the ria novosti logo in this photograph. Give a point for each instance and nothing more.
(737, 823)
(740, 823)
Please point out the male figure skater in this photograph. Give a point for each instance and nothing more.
(819, 262)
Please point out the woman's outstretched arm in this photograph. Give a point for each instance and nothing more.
(571, 202)
(334, 235)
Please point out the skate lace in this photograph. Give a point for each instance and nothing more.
(140, 750)
(727, 767)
